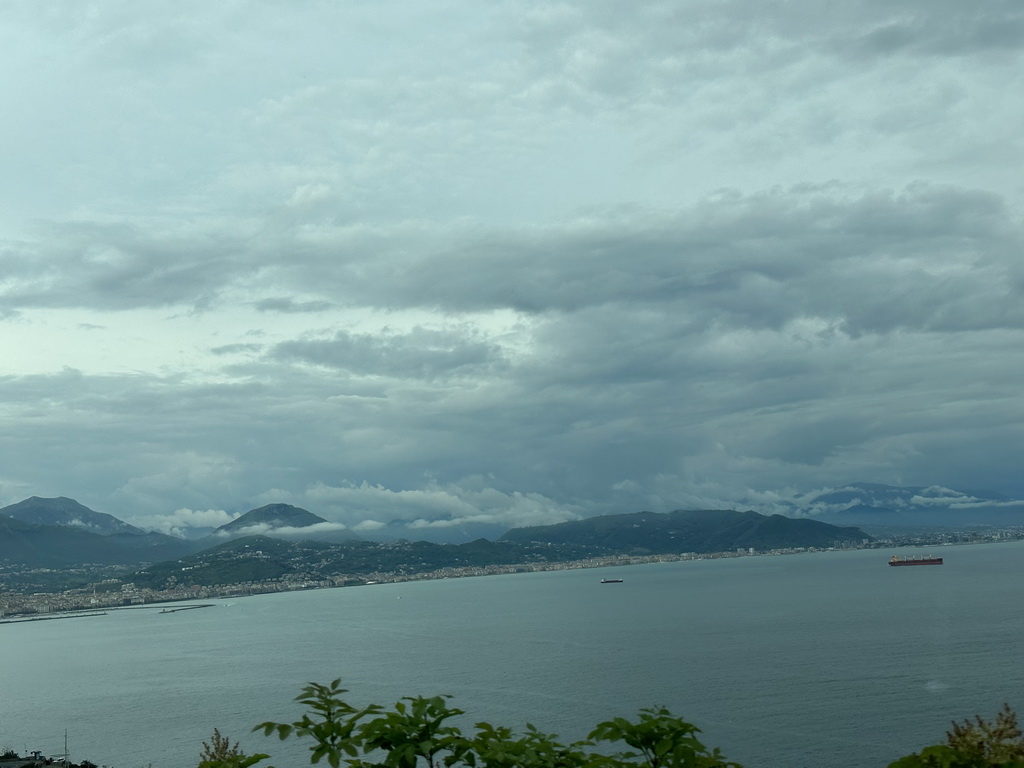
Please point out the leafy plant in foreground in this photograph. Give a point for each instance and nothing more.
(974, 744)
(663, 740)
(416, 732)
(219, 752)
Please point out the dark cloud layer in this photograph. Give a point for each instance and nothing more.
(876, 260)
(510, 264)
(422, 353)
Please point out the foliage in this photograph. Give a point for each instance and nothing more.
(663, 740)
(416, 732)
(977, 744)
(219, 752)
(500, 748)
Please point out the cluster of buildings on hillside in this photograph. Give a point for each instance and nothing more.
(127, 595)
(116, 594)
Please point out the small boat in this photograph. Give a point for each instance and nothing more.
(611, 581)
(897, 560)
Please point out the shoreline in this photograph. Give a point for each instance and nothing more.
(87, 612)
(155, 600)
(31, 617)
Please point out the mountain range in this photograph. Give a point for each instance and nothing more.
(60, 532)
(701, 531)
(876, 505)
(256, 558)
(34, 544)
(59, 545)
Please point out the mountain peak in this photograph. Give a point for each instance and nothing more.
(273, 516)
(68, 513)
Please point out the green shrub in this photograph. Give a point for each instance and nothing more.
(416, 733)
(977, 744)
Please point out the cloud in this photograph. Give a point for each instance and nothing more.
(957, 31)
(286, 304)
(925, 258)
(231, 349)
(421, 353)
(117, 266)
(372, 507)
(369, 526)
(260, 529)
(600, 257)
(179, 521)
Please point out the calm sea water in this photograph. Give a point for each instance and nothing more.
(830, 659)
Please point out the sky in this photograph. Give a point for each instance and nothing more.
(512, 263)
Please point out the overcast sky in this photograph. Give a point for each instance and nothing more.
(517, 262)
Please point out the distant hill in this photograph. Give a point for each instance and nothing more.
(254, 558)
(688, 531)
(69, 513)
(878, 505)
(895, 496)
(282, 520)
(60, 546)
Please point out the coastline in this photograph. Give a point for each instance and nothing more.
(135, 599)
(87, 612)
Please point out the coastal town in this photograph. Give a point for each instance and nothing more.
(122, 593)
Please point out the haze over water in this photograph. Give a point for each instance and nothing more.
(830, 659)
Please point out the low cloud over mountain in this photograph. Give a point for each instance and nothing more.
(286, 521)
(874, 503)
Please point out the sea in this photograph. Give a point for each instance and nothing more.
(829, 659)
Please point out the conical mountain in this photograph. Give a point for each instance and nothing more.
(273, 516)
(286, 521)
(68, 513)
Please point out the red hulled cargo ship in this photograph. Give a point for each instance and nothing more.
(897, 560)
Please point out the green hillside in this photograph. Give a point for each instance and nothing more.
(255, 558)
(689, 531)
(57, 546)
